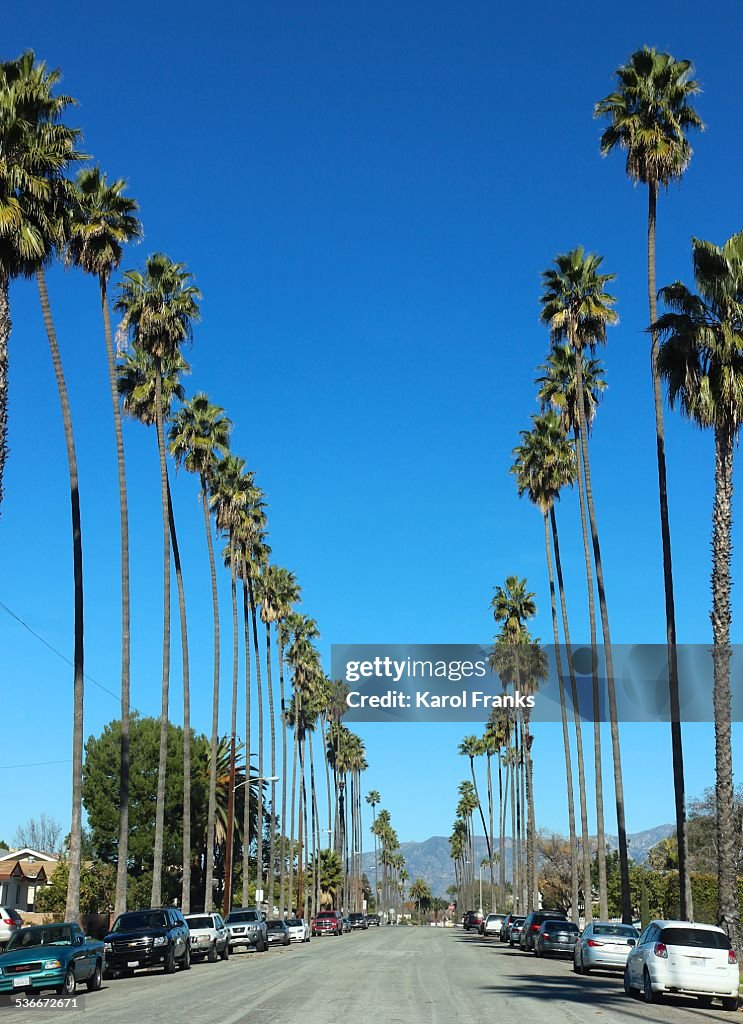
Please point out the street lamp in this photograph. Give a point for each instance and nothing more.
(261, 778)
(227, 900)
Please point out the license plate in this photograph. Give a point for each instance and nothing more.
(22, 981)
(698, 961)
(132, 963)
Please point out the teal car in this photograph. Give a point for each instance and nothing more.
(56, 956)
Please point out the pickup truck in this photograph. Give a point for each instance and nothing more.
(56, 956)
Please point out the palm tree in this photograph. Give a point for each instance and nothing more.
(420, 894)
(159, 309)
(544, 463)
(101, 221)
(37, 148)
(269, 596)
(578, 309)
(649, 115)
(701, 359)
(373, 799)
(472, 747)
(199, 437)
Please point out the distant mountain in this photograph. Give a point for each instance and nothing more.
(430, 859)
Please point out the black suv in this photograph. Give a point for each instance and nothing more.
(157, 937)
(532, 924)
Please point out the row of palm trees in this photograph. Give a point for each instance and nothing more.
(87, 221)
(696, 348)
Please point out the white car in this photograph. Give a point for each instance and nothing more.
(684, 958)
(604, 944)
(209, 936)
(299, 929)
(492, 924)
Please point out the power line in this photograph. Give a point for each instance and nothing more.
(34, 764)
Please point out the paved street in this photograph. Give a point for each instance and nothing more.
(386, 975)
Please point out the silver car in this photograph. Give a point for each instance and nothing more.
(299, 929)
(604, 944)
(247, 928)
(209, 936)
(10, 922)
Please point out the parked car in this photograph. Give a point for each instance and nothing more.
(472, 919)
(492, 924)
(556, 938)
(604, 944)
(532, 924)
(210, 936)
(357, 921)
(327, 922)
(10, 922)
(278, 933)
(514, 930)
(247, 928)
(691, 959)
(56, 956)
(505, 926)
(156, 937)
(346, 924)
(373, 919)
(299, 929)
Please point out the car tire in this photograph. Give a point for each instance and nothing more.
(170, 962)
(212, 956)
(94, 981)
(68, 986)
(510, 943)
(536, 950)
(628, 990)
(648, 994)
(576, 966)
(186, 961)
(264, 945)
(287, 941)
(225, 954)
(730, 1003)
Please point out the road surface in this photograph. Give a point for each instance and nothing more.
(400, 975)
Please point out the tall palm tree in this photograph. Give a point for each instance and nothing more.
(649, 115)
(199, 437)
(159, 307)
(472, 747)
(544, 463)
(578, 309)
(269, 596)
(373, 799)
(101, 222)
(35, 197)
(701, 359)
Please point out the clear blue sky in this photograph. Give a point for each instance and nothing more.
(367, 194)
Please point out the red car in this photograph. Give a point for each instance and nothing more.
(327, 922)
(472, 919)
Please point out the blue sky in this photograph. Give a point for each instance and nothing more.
(366, 195)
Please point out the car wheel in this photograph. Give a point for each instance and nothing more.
(68, 986)
(583, 968)
(628, 990)
(212, 955)
(536, 950)
(170, 961)
(94, 981)
(647, 990)
(264, 946)
(730, 1003)
(576, 966)
(510, 943)
(186, 961)
(287, 940)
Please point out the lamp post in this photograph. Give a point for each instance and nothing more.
(227, 900)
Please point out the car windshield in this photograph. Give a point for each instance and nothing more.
(517, 921)
(495, 917)
(327, 915)
(199, 922)
(356, 917)
(701, 938)
(293, 922)
(624, 931)
(275, 926)
(48, 935)
(140, 921)
(235, 916)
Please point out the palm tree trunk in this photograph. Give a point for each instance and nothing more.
(212, 800)
(686, 912)
(479, 807)
(728, 912)
(376, 859)
(515, 903)
(282, 851)
(246, 806)
(272, 840)
(565, 735)
(230, 838)
(186, 877)
(532, 879)
(586, 841)
(598, 774)
(122, 851)
(327, 779)
(626, 895)
(5, 327)
(72, 911)
(291, 827)
(315, 827)
(303, 783)
(490, 832)
(259, 685)
(502, 811)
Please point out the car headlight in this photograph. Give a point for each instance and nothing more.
(160, 940)
(52, 965)
(107, 947)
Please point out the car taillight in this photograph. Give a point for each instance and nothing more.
(660, 950)
(732, 958)
(545, 935)
(535, 927)
(592, 942)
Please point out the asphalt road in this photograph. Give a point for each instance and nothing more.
(385, 976)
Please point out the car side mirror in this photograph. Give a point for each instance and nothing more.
(79, 940)
(631, 942)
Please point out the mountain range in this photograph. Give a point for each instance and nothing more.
(430, 859)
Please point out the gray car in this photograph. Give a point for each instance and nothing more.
(556, 938)
(209, 936)
(247, 929)
(604, 944)
(10, 922)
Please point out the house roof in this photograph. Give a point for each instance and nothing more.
(26, 853)
(32, 871)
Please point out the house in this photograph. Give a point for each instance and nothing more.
(22, 873)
